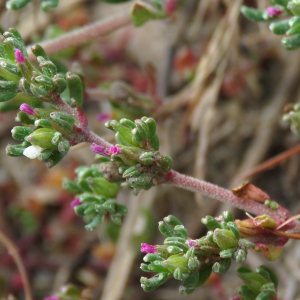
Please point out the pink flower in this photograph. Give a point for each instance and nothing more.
(27, 109)
(99, 150)
(146, 248)
(74, 203)
(115, 150)
(191, 243)
(52, 298)
(170, 6)
(104, 117)
(20, 58)
(272, 11)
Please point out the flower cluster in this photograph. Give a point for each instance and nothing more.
(192, 261)
(289, 26)
(261, 284)
(19, 75)
(46, 134)
(46, 5)
(135, 158)
(95, 197)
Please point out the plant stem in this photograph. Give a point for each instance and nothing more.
(12, 250)
(84, 34)
(86, 135)
(221, 194)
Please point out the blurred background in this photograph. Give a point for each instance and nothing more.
(216, 83)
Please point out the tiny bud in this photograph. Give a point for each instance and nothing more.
(33, 152)
(170, 6)
(104, 117)
(27, 109)
(20, 58)
(99, 149)
(191, 243)
(272, 11)
(75, 202)
(115, 150)
(52, 298)
(146, 248)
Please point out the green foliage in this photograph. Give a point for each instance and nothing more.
(137, 160)
(260, 284)
(46, 5)
(95, 196)
(290, 26)
(192, 261)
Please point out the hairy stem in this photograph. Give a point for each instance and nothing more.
(221, 194)
(81, 35)
(12, 250)
(86, 134)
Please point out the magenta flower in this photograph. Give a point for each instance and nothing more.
(74, 203)
(104, 117)
(272, 11)
(52, 298)
(20, 58)
(170, 6)
(99, 150)
(115, 150)
(146, 248)
(191, 243)
(27, 109)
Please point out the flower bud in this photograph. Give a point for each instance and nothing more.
(63, 146)
(42, 137)
(176, 261)
(225, 239)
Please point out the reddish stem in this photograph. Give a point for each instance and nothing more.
(83, 131)
(83, 34)
(221, 194)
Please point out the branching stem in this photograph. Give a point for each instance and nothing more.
(221, 194)
(84, 34)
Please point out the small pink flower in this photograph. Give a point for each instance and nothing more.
(191, 243)
(20, 58)
(27, 109)
(146, 248)
(52, 298)
(104, 117)
(272, 11)
(99, 150)
(74, 203)
(170, 6)
(115, 150)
